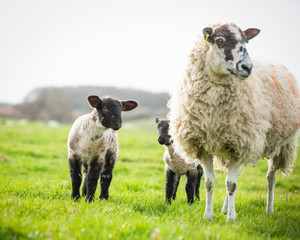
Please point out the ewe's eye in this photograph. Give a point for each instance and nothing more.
(219, 41)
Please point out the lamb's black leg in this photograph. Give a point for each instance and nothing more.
(190, 186)
(199, 176)
(84, 186)
(106, 174)
(169, 184)
(176, 183)
(92, 179)
(75, 174)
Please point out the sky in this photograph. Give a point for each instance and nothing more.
(133, 43)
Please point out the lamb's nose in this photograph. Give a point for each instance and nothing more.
(161, 140)
(119, 124)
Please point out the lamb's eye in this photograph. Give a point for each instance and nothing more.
(104, 109)
(219, 41)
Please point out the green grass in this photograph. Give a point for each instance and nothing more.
(35, 194)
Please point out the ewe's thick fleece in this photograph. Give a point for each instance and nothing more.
(233, 119)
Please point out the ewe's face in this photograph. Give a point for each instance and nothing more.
(228, 53)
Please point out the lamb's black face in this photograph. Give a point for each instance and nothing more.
(109, 110)
(163, 132)
(110, 113)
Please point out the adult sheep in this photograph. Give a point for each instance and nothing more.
(235, 110)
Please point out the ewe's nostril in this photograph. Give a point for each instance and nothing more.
(247, 68)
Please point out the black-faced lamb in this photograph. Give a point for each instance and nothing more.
(175, 166)
(93, 145)
(239, 111)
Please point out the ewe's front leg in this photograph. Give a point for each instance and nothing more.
(271, 185)
(75, 174)
(231, 181)
(225, 205)
(92, 179)
(209, 187)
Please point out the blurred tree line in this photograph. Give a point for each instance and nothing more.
(67, 103)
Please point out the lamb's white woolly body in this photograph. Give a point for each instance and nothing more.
(214, 113)
(89, 139)
(93, 146)
(176, 163)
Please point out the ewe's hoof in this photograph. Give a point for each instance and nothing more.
(208, 216)
(224, 211)
(231, 218)
(269, 212)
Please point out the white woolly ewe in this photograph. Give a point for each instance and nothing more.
(235, 110)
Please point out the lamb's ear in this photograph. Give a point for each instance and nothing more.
(208, 34)
(157, 120)
(128, 105)
(251, 33)
(94, 101)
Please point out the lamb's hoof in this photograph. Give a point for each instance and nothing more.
(190, 201)
(103, 197)
(75, 197)
(89, 199)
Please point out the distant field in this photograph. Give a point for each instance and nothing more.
(35, 193)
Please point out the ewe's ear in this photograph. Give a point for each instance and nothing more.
(128, 105)
(94, 101)
(157, 120)
(208, 34)
(251, 33)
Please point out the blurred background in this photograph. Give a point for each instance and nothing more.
(55, 53)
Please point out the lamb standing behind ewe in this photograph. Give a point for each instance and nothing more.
(239, 112)
(176, 166)
(93, 145)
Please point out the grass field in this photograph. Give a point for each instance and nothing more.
(35, 193)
